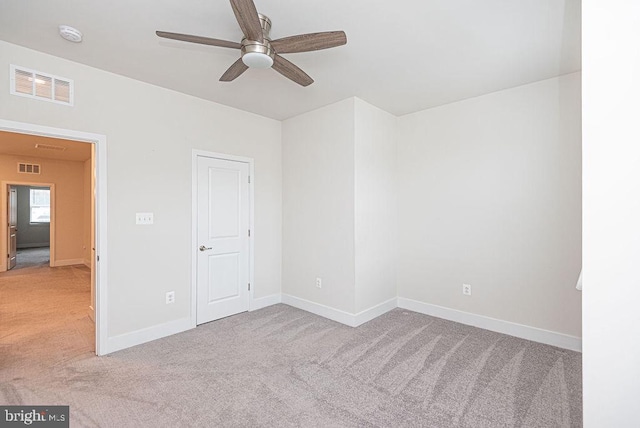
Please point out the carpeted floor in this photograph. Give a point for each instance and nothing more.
(44, 317)
(31, 257)
(281, 367)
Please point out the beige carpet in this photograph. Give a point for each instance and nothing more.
(280, 367)
(44, 318)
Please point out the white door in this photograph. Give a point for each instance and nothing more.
(222, 282)
(12, 216)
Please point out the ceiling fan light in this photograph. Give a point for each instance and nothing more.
(257, 60)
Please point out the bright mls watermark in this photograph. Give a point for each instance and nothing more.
(34, 416)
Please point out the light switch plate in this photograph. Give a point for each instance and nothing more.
(144, 218)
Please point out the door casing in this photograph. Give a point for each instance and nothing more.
(12, 226)
(194, 223)
(100, 172)
(52, 222)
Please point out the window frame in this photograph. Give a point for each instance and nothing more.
(32, 206)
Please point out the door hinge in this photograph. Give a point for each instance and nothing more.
(97, 258)
(249, 286)
(249, 179)
(249, 232)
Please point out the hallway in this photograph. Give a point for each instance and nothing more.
(44, 318)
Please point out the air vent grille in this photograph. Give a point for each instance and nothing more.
(50, 147)
(41, 86)
(28, 168)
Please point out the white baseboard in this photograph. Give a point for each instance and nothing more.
(69, 262)
(265, 301)
(145, 335)
(316, 308)
(34, 245)
(552, 338)
(374, 312)
(560, 340)
(343, 317)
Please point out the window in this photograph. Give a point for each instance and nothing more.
(39, 205)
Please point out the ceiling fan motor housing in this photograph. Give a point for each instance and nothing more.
(265, 23)
(257, 54)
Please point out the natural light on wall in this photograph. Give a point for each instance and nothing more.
(39, 206)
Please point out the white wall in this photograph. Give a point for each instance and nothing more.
(150, 134)
(318, 206)
(490, 195)
(375, 205)
(339, 206)
(611, 251)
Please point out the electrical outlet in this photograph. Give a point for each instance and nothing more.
(466, 289)
(319, 282)
(144, 218)
(171, 297)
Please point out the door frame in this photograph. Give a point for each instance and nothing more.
(100, 220)
(4, 202)
(195, 154)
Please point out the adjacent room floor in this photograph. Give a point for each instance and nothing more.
(32, 257)
(44, 320)
(281, 366)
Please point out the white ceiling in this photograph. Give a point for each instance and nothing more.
(402, 56)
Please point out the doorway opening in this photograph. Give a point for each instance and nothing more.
(62, 177)
(30, 225)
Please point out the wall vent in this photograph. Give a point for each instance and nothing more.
(41, 86)
(28, 168)
(50, 147)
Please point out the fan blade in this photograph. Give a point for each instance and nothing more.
(310, 42)
(247, 16)
(291, 71)
(199, 39)
(236, 69)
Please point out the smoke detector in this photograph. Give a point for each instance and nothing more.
(70, 34)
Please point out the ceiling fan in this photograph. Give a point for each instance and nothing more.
(258, 50)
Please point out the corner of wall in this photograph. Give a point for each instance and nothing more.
(463, 214)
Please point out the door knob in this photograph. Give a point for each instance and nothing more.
(203, 248)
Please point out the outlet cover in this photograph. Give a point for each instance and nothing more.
(319, 282)
(466, 289)
(171, 297)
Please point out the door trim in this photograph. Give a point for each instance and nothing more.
(100, 144)
(52, 222)
(195, 154)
